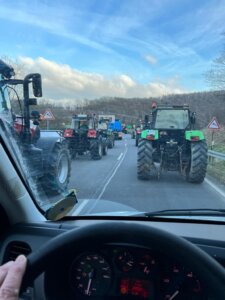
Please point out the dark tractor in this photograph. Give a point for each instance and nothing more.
(83, 137)
(170, 142)
(45, 153)
(106, 132)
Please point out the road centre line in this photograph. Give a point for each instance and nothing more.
(113, 174)
(119, 157)
(86, 202)
(217, 189)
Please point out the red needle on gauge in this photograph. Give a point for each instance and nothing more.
(174, 295)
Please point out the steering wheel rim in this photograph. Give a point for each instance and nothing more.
(204, 266)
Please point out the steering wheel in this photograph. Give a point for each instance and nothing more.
(205, 267)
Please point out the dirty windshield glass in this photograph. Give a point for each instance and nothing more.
(116, 107)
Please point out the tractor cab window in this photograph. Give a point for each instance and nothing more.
(79, 124)
(75, 124)
(172, 118)
(83, 124)
(4, 100)
(91, 124)
(103, 124)
(5, 107)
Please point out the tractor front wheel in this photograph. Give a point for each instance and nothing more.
(96, 150)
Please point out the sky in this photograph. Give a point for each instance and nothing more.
(124, 48)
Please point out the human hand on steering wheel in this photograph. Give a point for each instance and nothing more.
(11, 274)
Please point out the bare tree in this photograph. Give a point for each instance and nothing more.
(216, 76)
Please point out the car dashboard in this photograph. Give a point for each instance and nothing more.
(125, 272)
(114, 270)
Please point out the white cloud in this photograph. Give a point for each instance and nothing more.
(61, 82)
(151, 59)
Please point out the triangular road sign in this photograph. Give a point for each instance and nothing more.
(214, 124)
(48, 115)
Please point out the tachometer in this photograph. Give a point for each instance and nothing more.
(178, 283)
(90, 275)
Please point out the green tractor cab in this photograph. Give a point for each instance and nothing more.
(170, 142)
(106, 132)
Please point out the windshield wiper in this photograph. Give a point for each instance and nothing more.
(183, 212)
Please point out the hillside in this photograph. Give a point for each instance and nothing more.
(205, 104)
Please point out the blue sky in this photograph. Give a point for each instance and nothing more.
(169, 43)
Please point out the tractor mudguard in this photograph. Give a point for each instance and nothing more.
(48, 139)
(194, 135)
(150, 134)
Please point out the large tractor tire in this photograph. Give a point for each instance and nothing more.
(136, 142)
(58, 169)
(145, 161)
(105, 149)
(73, 154)
(198, 162)
(96, 150)
(110, 144)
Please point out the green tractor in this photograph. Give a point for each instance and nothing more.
(170, 142)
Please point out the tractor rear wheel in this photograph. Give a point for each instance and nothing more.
(111, 143)
(145, 161)
(198, 162)
(96, 150)
(105, 149)
(58, 169)
(136, 142)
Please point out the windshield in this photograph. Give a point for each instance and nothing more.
(175, 119)
(119, 102)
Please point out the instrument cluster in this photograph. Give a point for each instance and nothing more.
(126, 272)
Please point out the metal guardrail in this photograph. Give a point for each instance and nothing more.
(216, 154)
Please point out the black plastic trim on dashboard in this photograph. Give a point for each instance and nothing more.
(144, 219)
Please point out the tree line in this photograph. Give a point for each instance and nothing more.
(132, 110)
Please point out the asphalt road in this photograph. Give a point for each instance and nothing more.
(111, 184)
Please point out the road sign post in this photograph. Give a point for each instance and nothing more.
(48, 115)
(214, 126)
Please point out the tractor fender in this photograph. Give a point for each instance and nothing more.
(194, 135)
(48, 139)
(150, 134)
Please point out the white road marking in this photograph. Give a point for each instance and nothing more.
(113, 174)
(86, 202)
(78, 209)
(216, 188)
(119, 157)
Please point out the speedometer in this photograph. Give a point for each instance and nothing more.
(90, 275)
